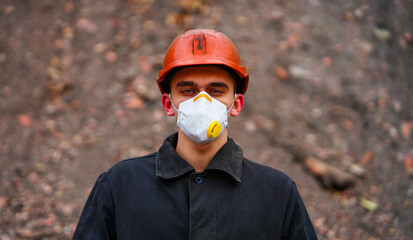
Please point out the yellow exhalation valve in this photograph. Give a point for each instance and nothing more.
(214, 129)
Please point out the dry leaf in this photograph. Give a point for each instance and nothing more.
(69, 7)
(191, 5)
(68, 33)
(331, 177)
(367, 156)
(327, 61)
(315, 166)
(293, 39)
(280, 72)
(369, 205)
(408, 164)
(406, 128)
(174, 19)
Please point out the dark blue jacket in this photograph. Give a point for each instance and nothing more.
(160, 196)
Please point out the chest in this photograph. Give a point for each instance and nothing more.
(199, 206)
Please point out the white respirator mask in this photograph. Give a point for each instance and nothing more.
(202, 118)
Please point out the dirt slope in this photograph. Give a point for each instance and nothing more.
(329, 80)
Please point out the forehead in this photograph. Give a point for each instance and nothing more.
(202, 75)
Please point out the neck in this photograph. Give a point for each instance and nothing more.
(199, 156)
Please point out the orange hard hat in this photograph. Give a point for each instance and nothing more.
(203, 47)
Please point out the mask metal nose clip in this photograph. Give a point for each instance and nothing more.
(203, 95)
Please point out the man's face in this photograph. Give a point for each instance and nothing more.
(188, 82)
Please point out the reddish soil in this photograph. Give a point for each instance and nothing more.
(330, 80)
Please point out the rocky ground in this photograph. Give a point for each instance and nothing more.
(329, 103)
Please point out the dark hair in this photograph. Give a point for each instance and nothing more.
(166, 83)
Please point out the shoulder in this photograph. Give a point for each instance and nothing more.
(261, 173)
(139, 166)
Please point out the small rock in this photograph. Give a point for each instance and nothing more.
(47, 189)
(393, 132)
(86, 25)
(409, 192)
(397, 106)
(111, 56)
(68, 209)
(373, 189)
(100, 47)
(57, 229)
(148, 25)
(135, 42)
(350, 16)
(360, 12)
(5, 237)
(408, 37)
(131, 101)
(115, 22)
(75, 104)
(2, 57)
(50, 220)
(8, 9)
(277, 16)
(241, 20)
(299, 72)
(3, 202)
(25, 120)
(316, 113)
(250, 126)
(33, 177)
(366, 47)
(357, 170)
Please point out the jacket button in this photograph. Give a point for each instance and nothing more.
(198, 180)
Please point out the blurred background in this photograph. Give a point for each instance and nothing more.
(329, 103)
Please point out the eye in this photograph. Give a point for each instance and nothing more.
(187, 92)
(216, 92)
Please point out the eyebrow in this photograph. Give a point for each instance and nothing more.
(190, 83)
(218, 84)
(184, 84)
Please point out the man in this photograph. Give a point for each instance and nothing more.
(198, 185)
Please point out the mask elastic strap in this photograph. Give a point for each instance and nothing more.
(170, 97)
(235, 95)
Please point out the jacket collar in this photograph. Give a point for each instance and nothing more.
(170, 165)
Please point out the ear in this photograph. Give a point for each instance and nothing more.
(238, 105)
(167, 104)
